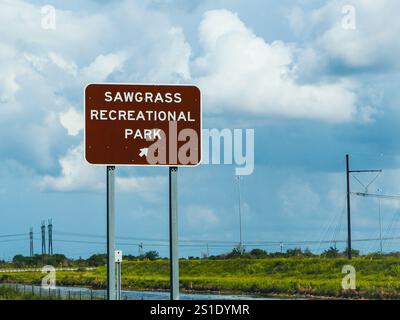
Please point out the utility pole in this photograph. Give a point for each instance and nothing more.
(50, 235)
(31, 242)
(141, 249)
(380, 225)
(348, 171)
(43, 229)
(348, 208)
(240, 215)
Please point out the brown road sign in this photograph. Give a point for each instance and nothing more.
(134, 124)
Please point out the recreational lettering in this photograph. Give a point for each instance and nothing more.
(134, 115)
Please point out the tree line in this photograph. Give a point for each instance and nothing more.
(96, 260)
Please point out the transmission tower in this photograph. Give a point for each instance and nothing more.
(240, 214)
(50, 235)
(348, 172)
(141, 249)
(43, 229)
(31, 242)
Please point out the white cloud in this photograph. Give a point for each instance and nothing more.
(43, 72)
(238, 72)
(140, 184)
(175, 58)
(72, 120)
(9, 72)
(200, 216)
(103, 66)
(372, 42)
(77, 175)
(370, 45)
(69, 67)
(367, 114)
(241, 72)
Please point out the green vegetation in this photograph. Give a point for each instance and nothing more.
(60, 260)
(378, 276)
(56, 260)
(13, 294)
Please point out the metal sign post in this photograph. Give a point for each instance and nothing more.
(173, 232)
(110, 232)
(118, 293)
(118, 266)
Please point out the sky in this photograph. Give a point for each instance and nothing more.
(314, 80)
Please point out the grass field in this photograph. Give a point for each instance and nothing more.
(12, 294)
(376, 278)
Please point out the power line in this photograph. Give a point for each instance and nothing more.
(222, 243)
(260, 243)
(137, 244)
(12, 240)
(217, 243)
(140, 239)
(12, 235)
(382, 196)
(336, 231)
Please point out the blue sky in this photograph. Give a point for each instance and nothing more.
(312, 88)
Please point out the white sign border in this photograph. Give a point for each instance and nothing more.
(143, 165)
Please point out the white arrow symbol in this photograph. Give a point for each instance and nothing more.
(143, 152)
